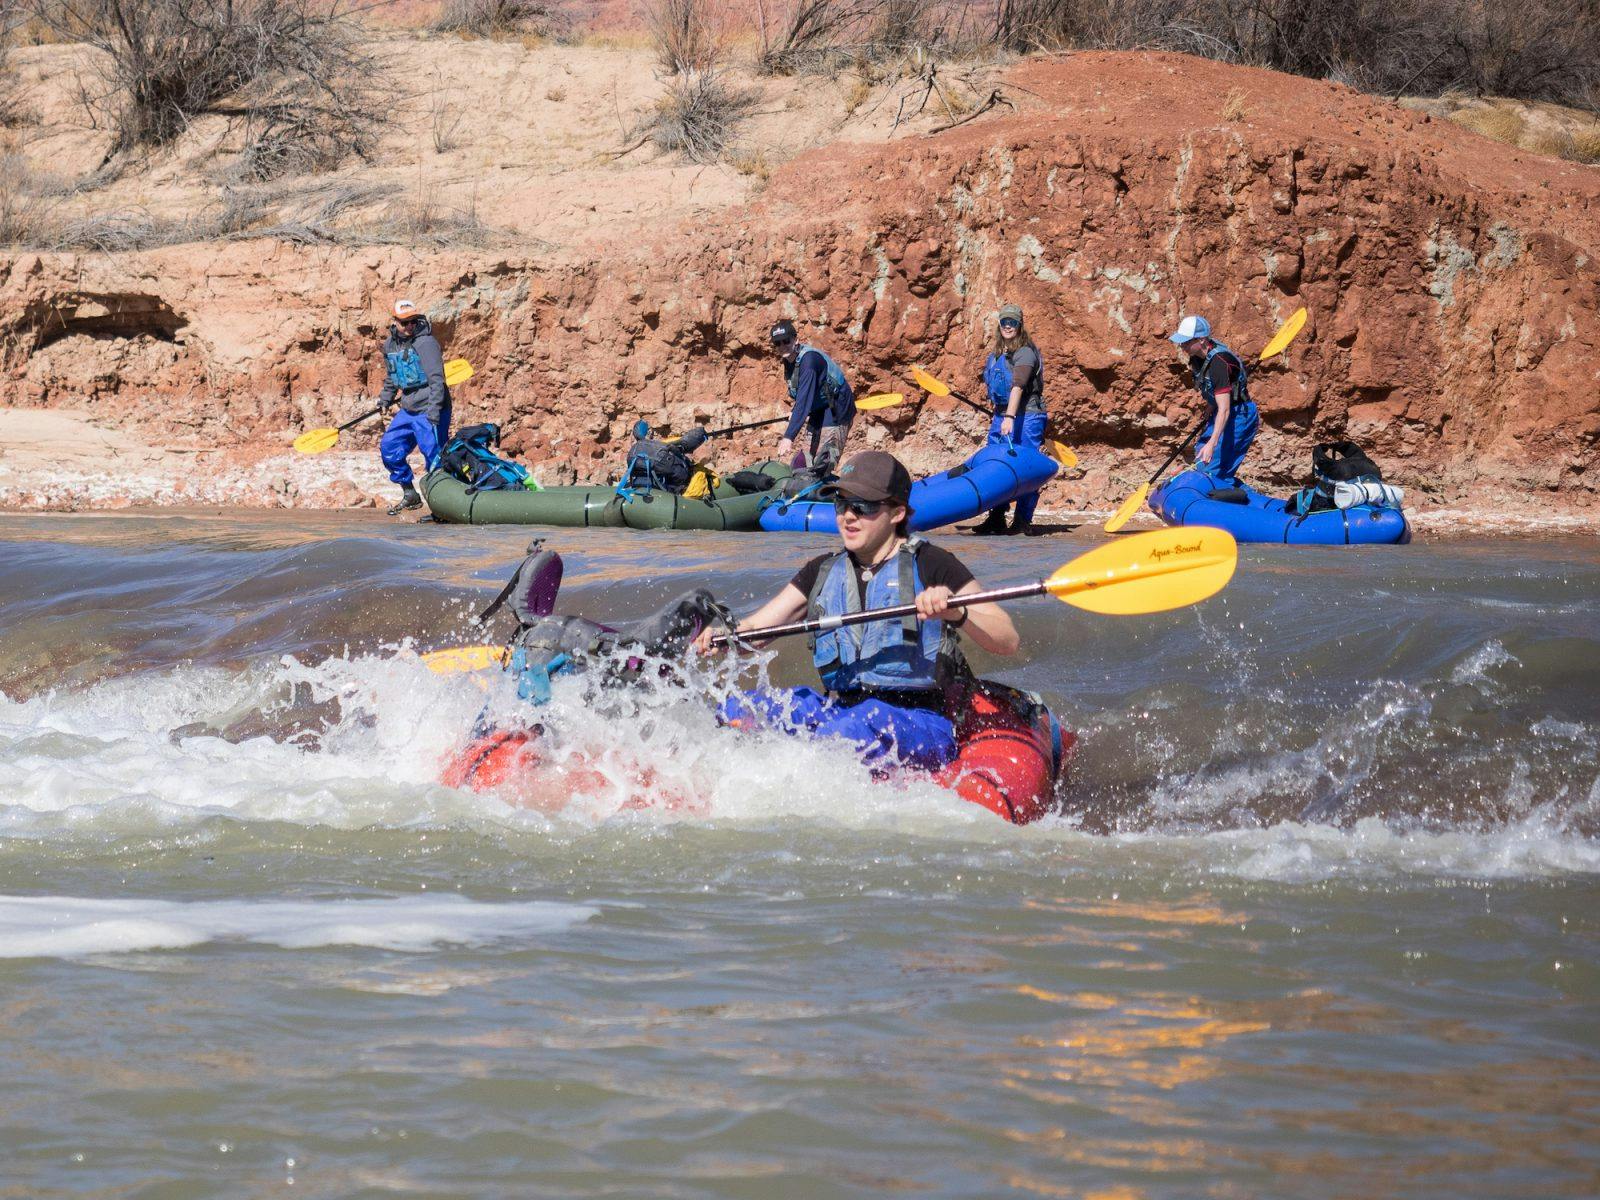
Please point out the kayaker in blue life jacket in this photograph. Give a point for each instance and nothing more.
(823, 401)
(415, 365)
(1231, 417)
(885, 682)
(1013, 375)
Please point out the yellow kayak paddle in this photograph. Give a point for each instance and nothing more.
(934, 386)
(1279, 343)
(315, 441)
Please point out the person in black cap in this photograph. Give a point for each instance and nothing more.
(885, 681)
(823, 401)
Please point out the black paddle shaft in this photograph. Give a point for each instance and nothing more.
(1173, 457)
(825, 624)
(371, 412)
(711, 433)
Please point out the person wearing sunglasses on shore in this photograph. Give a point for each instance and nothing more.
(1013, 375)
(824, 403)
(415, 381)
(886, 684)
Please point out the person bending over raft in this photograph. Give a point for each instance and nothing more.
(1014, 377)
(415, 365)
(885, 681)
(1223, 382)
(823, 401)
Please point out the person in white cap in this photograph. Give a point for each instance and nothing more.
(1231, 417)
(415, 381)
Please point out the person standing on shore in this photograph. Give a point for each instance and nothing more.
(1013, 375)
(823, 401)
(1223, 382)
(415, 381)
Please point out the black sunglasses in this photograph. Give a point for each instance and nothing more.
(782, 342)
(861, 508)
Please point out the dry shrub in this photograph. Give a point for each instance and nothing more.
(1233, 106)
(1586, 146)
(294, 71)
(752, 163)
(26, 217)
(1557, 143)
(1537, 50)
(1494, 121)
(698, 116)
(499, 19)
(689, 35)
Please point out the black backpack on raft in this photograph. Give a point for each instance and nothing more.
(469, 457)
(1333, 463)
(662, 466)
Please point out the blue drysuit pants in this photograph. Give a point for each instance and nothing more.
(884, 735)
(412, 431)
(1027, 430)
(1237, 434)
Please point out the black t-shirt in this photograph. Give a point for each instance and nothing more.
(938, 567)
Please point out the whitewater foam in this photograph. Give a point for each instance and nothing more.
(75, 927)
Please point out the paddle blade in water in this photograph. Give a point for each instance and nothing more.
(1061, 452)
(881, 400)
(464, 658)
(1149, 572)
(315, 441)
(1129, 507)
(1280, 341)
(928, 383)
(456, 371)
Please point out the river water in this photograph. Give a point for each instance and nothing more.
(1321, 920)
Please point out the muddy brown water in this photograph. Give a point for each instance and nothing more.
(1319, 920)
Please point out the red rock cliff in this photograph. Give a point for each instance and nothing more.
(1452, 283)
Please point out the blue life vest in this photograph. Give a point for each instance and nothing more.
(405, 368)
(891, 654)
(1202, 379)
(997, 376)
(833, 380)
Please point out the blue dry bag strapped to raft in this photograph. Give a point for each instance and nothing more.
(469, 458)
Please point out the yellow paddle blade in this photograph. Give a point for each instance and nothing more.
(465, 658)
(315, 441)
(1149, 572)
(457, 371)
(1129, 506)
(1061, 452)
(928, 383)
(881, 400)
(1280, 341)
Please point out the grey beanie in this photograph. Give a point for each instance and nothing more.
(1011, 312)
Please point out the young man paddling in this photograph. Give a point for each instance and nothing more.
(885, 681)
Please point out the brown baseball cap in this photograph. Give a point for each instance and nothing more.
(871, 475)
